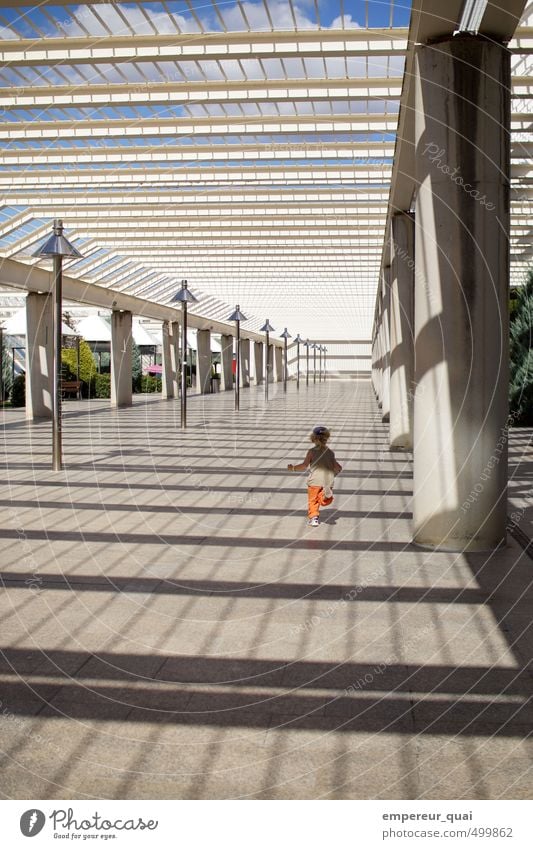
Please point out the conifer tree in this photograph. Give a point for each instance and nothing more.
(521, 355)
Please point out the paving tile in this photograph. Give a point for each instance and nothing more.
(193, 638)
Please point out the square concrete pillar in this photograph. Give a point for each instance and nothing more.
(245, 362)
(402, 348)
(226, 357)
(278, 363)
(462, 130)
(39, 356)
(121, 388)
(270, 364)
(385, 343)
(203, 362)
(169, 387)
(258, 362)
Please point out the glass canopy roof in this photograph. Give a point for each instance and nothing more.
(245, 146)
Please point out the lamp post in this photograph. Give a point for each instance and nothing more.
(298, 342)
(57, 246)
(307, 345)
(320, 349)
(266, 328)
(237, 317)
(325, 352)
(286, 336)
(184, 296)
(314, 346)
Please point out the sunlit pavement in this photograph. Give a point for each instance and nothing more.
(172, 628)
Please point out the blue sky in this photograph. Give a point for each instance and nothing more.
(330, 11)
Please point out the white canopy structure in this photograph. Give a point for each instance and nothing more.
(245, 146)
(16, 325)
(95, 329)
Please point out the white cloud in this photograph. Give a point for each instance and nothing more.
(6, 33)
(349, 23)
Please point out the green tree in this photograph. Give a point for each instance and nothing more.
(521, 356)
(7, 360)
(87, 361)
(136, 367)
(87, 366)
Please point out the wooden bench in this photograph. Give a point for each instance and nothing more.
(71, 387)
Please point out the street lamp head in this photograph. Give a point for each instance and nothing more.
(237, 315)
(285, 334)
(298, 341)
(267, 327)
(57, 244)
(184, 295)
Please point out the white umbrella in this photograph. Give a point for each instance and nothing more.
(94, 329)
(16, 325)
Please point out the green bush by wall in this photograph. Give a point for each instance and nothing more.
(18, 391)
(102, 386)
(151, 384)
(521, 356)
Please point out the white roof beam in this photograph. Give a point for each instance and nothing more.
(120, 128)
(192, 153)
(213, 46)
(250, 91)
(27, 278)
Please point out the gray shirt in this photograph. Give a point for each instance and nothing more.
(321, 468)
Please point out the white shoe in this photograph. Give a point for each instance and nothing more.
(328, 492)
(314, 522)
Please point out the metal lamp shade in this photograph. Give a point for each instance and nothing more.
(184, 295)
(57, 244)
(267, 327)
(237, 315)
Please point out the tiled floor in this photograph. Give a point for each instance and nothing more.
(171, 628)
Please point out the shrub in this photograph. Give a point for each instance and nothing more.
(18, 391)
(87, 367)
(521, 356)
(151, 384)
(87, 361)
(136, 367)
(7, 375)
(102, 386)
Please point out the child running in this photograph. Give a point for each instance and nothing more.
(322, 465)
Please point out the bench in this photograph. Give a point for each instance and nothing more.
(71, 387)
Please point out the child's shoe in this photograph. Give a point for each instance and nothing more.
(328, 492)
(313, 522)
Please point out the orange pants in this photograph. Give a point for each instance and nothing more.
(316, 500)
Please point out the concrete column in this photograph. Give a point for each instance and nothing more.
(402, 352)
(245, 362)
(121, 390)
(375, 366)
(226, 361)
(39, 355)
(385, 347)
(203, 362)
(169, 383)
(377, 343)
(258, 361)
(462, 130)
(270, 364)
(278, 363)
